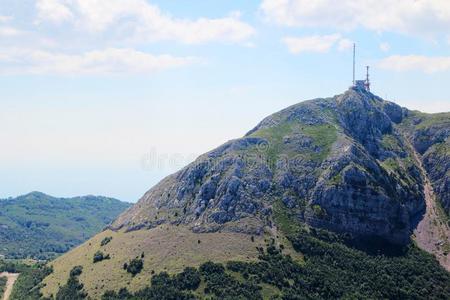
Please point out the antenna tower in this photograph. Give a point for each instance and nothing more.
(354, 63)
(367, 79)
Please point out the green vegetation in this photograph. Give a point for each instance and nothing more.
(3, 281)
(323, 137)
(319, 211)
(27, 286)
(285, 218)
(99, 256)
(400, 168)
(332, 270)
(106, 241)
(274, 136)
(39, 226)
(135, 266)
(390, 142)
(73, 289)
(432, 119)
(177, 244)
(443, 149)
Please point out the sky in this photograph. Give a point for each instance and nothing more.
(107, 97)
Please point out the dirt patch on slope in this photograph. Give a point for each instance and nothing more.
(12, 277)
(433, 233)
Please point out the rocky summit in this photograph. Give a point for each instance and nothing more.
(345, 163)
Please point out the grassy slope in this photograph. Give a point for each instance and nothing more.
(166, 248)
(331, 270)
(40, 226)
(323, 136)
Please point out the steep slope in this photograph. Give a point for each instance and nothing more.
(429, 133)
(40, 226)
(343, 164)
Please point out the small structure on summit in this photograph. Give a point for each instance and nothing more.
(360, 84)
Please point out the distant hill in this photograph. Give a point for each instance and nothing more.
(41, 226)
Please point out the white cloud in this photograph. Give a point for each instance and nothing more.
(104, 62)
(385, 47)
(316, 43)
(7, 31)
(143, 21)
(420, 17)
(425, 64)
(5, 19)
(53, 10)
(345, 44)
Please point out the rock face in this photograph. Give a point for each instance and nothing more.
(342, 163)
(429, 134)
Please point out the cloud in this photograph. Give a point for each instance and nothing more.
(421, 63)
(5, 19)
(316, 43)
(421, 17)
(53, 10)
(142, 21)
(385, 47)
(100, 62)
(6, 31)
(345, 44)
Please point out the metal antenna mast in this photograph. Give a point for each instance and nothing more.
(367, 79)
(354, 62)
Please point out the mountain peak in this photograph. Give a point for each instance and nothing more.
(322, 160)
(35, 194)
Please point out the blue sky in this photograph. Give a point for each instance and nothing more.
(109, 96)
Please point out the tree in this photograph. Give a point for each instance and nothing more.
(135, 266)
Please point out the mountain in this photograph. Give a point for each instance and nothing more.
(40, 226)
(334, 189)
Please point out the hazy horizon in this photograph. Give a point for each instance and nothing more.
(108, 99)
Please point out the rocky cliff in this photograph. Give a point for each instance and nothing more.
(341, 163)
(429, 133)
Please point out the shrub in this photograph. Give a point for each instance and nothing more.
(112, 295)
(105, 241)
(76, 271)
(189, 279)
(99, 256)
(135, 266)
(73, 289)
(209, 268)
